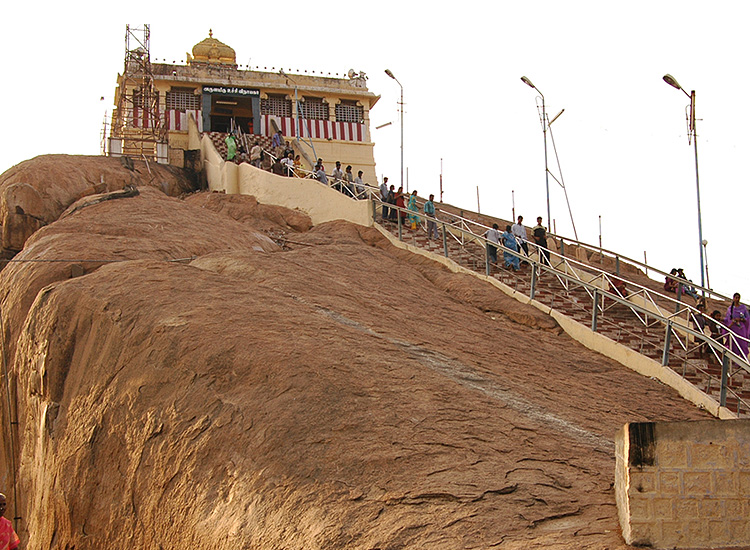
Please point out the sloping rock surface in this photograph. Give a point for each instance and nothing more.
(181, 380)
(35, 192)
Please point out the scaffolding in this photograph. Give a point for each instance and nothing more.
(138, 128)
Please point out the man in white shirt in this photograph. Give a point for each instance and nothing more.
(359, 185)
(337, 175)
(288, 163)
(384, 197)
(320, 174)
(255, 155)
(492, 236)
(519, 231)
(539, 232)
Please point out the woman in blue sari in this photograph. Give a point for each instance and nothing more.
(509, 242)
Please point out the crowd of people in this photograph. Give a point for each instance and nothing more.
(731, 330)
(514, 239)
(343, 181)
(283, 161)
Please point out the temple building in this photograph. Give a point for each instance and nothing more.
(321, 116)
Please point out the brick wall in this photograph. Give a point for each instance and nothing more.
(684, 484)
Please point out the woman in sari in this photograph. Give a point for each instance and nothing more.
(400, 202)
(413, 218)
(509, 242)
(737, 320)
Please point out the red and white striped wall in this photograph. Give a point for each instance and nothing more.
(174, 119)
(178, 120)
(319, 129)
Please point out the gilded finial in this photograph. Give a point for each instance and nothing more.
(210, 33)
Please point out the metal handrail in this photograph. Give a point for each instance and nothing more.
(606, 276)
(643, 313)
(617, 257)
(592, 248)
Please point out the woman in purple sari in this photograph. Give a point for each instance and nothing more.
(737, 319)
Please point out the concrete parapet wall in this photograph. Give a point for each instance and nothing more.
(684, 484)
(319, 202)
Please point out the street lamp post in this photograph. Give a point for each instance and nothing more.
(528, 82)
(389, 73)
(705, 253)
(692, 135)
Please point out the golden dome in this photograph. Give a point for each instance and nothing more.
(213, 51)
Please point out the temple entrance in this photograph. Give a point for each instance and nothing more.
(225, 108)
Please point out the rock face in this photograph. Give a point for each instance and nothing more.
(35, 192)
(181, 380)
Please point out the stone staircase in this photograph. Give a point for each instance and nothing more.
(616, 321)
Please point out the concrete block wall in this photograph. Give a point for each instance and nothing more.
(684, 484)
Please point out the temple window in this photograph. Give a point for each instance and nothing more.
(315, 108)
(349, 111)
(183, 99)
(140, 99)
(277, 105)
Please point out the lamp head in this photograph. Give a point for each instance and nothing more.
(672, 81)
(527, 82)
(389, 73)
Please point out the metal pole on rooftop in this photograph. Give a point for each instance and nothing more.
(698, 189)
(693, 135)
(705, 255)
(296, 103)
(441, 180)
(546, 167)
(389, 73)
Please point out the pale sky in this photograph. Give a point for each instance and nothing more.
(622, 139)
